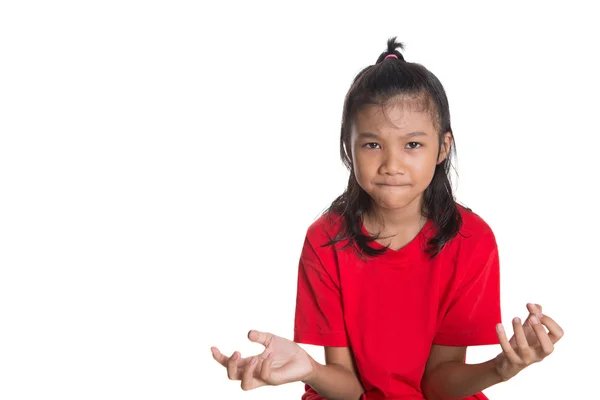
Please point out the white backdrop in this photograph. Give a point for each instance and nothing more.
(161, 161)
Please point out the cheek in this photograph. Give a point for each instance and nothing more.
(423, 168)
(360, 173)
(363, 166)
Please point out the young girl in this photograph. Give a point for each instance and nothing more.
(396, 279)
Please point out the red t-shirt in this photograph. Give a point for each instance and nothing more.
(390, 309)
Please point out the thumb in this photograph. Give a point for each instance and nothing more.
(260, 337)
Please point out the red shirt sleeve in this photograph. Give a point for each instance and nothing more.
(319, 318)
(474, 310)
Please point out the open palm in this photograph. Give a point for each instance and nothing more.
(282, 361)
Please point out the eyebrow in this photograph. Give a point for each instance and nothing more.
(371, 135)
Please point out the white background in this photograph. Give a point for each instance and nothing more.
(160, 163)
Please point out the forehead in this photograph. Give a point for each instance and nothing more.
(401, 115)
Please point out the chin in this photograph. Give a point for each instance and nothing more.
(392, 202)
(396, 206)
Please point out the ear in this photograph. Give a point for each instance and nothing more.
(445, 148)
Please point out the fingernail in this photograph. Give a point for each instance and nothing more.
(534, 320)
(500, 328)
(253, 360)
(517, 320)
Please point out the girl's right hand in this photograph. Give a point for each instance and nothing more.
(282, 361)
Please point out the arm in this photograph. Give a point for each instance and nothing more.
(470, 319)
(448, 377)
(337, 379)
(319, 320)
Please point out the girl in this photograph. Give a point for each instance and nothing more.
(396, 279)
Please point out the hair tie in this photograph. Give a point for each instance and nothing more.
(390, 56)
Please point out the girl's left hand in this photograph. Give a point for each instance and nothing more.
(515, 358)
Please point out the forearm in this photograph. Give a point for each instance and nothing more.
(334, 382)
(456, 380)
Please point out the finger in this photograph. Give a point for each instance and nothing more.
(217, 355)
(556, 332)
(513, 341)
(527, 327)
(545, 342)
(535, 309)
(520, 337)
(232, 366)
(248, 375)
(266, 369)
(527, 354)
(263, 338)
(506, 347)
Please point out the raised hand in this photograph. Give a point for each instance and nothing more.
(282, 361)
(526, 350)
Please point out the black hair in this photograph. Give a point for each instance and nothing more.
(376, 85)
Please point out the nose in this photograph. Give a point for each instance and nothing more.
(393, 163)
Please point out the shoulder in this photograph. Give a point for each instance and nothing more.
(476, 237)
(319, 235)
(473, 225)
(315, 251)
(325, 228)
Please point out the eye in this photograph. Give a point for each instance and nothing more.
(414, 145)
(367, 145)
